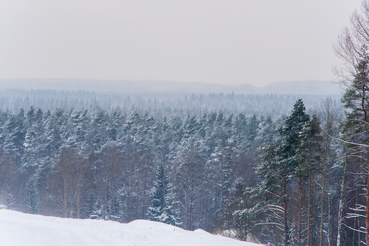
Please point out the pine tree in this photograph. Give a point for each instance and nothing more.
(78, 122)
(307, 158)
(16, 132)
(99, 135)
(162, 200)
(266, 133)
(278, 166)
(34, 141)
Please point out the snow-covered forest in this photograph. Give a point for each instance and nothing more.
(159, 104)
(196, 161)
(133, 113)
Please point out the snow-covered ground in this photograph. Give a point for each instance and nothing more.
(20, 229)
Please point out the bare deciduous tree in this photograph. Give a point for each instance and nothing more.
(352, 47)
(70, 181)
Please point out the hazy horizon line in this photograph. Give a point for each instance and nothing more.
(172, 81)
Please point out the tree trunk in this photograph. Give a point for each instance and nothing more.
(300, 208)
(143, 199)
(329, 220)
(364, 109)
(356, 219)
(144, 187)
(367, 211)
(286, 230)
(181, 200)
(191, 208)
(340, 207)
(309, 202)
(322, 206)
(65, 201)
(78, 202)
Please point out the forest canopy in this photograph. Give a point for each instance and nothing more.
(105, 163)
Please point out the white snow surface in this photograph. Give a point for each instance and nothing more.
(20, 229)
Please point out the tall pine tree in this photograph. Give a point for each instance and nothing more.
(279, 163)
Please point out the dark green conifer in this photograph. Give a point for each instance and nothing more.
(279, 163)
(162, 200)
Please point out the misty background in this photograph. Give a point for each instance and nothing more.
(163, 96)
(217, 42)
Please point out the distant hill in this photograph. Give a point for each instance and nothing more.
(303, 87)
(158, 87)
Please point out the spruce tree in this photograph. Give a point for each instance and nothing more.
(162, 200)
(31, 197)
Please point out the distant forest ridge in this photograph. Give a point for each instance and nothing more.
(316, 87)
(159, 104)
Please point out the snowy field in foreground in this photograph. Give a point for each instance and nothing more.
(19, 229)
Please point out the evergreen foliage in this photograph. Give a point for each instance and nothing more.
(162, 208)
(100, 164)
(279, 163)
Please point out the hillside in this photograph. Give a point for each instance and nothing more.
(35, 230)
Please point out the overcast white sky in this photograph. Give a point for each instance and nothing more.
(225, 42)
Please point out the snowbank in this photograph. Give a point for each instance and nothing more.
(20, 229)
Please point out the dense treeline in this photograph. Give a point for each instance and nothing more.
(103, 164)
(219, 170)
(175, 103)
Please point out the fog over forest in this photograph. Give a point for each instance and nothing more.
(316, 87)
(274, 99)
(235, 117)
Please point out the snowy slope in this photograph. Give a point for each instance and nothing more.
(19, 229)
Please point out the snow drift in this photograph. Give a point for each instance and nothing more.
(20, 229)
